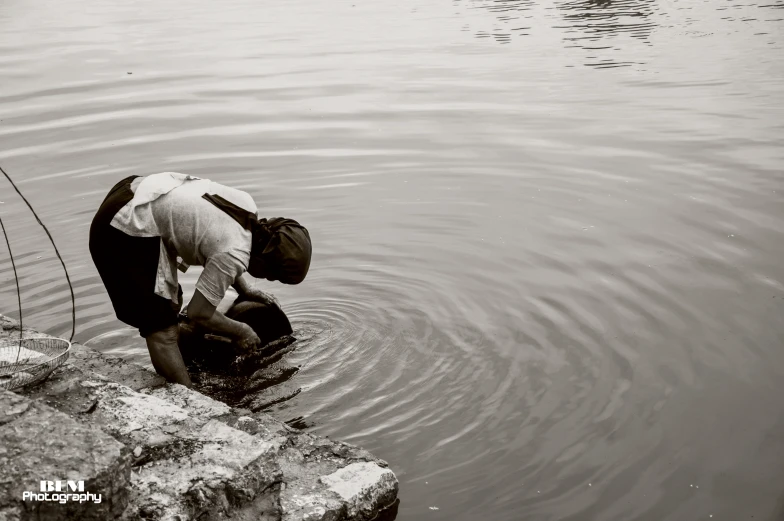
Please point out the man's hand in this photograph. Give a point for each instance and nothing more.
(201, 311)
(249, 339)
(256, 295)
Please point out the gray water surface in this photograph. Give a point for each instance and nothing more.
(547, 280)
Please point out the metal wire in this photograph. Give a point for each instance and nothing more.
(41, 354)
(57, 252)
(39, 357)
(18, 293)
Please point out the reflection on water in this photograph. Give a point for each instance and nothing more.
(514, 16)
(597, 20)
(592, 25)
(603, 27)
(547, 277)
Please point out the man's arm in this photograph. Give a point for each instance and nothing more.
(242, 287)
(201, 311)
(245, 290)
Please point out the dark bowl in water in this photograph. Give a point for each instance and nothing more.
(203, 349)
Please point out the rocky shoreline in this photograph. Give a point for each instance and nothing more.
(160, 451)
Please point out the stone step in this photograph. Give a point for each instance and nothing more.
(321, 479)
(186, 464)
(194, 456)
(326, 480)
(38, 443)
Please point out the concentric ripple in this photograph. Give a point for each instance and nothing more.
(547, 278)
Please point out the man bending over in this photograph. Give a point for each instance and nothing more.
(149, 227)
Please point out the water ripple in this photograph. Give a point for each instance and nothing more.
(547, 279)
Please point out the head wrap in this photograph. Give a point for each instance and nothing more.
(281, 247)
(281, 250)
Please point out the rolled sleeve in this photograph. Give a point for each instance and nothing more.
(219, 273)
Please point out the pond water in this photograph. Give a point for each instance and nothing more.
(547, 280)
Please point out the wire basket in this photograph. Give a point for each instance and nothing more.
(36, 360)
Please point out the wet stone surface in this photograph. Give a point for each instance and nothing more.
(181, 454)
(39, 443)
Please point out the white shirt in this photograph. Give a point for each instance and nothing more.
(169, 205)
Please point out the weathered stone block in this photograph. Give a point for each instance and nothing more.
(64, 390)
(223, 470)
(39, 443)
(192, 457)
(194, 402)
(363, 486)
(115, 369)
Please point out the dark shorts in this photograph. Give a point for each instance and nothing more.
(128, 267)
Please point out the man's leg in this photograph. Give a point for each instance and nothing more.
(166, 357)
(128, 267)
